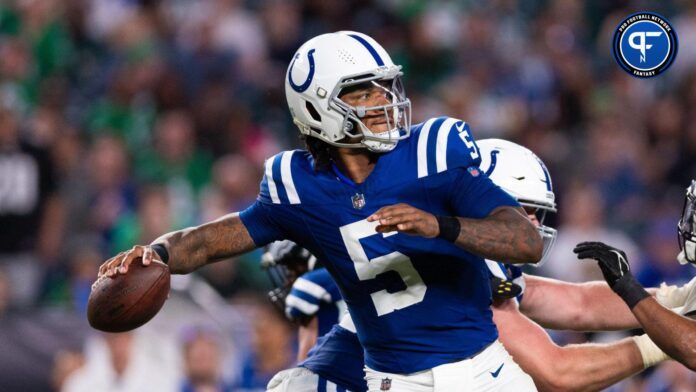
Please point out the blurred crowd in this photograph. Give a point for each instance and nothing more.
(124, 119)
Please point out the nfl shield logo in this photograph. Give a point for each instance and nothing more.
(386, 384)
(358, 201)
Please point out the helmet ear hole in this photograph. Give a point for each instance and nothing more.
(312, 111)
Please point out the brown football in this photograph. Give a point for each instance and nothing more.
(127, 301)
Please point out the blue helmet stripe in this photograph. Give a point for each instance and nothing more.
(549, 187)
(369, 47)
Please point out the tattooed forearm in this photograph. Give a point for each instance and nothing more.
(506, 235)
(192, 248)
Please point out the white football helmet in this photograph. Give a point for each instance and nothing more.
(687, 227)
(325, 65)
(519, 172)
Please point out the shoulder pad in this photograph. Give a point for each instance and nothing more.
(278, 185)
(443, 143)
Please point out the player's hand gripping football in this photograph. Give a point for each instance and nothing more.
(119, 264)
(405, 219)
(615, 268)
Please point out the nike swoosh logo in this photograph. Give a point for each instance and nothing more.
(497, 372)
(518, 178)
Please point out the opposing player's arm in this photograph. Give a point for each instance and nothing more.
(590, 306)
(190, 248)
(582, 367)
(673, 333)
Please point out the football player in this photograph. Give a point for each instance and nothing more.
(519, 299)
(672, 332)
(306, 294)
(401, 214)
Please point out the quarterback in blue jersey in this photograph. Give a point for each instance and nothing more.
(336, 360)
(401, 214)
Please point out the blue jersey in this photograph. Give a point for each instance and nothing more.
(338, 357)
(417, 303)
(315, 294)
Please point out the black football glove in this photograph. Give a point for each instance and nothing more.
(289, 254)
(616, 270)
(285, 261)
(504, 289)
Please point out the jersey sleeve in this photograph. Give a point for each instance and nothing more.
(445, 143)
(262, 224)
(267, 219)
(474, 195)
(306, 295)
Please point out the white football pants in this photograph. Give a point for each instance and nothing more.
(300, 380)
(492, 370)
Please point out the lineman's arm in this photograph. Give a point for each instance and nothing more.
(190, 248)
(582, 367)
(590, 306)
(307, 335)
(673, 333)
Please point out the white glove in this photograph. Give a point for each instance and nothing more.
(674, 296)
(690, 303)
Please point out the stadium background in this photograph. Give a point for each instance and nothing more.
(136, 117)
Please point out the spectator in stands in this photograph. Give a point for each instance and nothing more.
(30, 210)
(272, 348)
(203, 362)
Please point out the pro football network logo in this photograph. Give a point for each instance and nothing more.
(645, 44)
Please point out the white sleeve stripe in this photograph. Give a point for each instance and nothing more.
(286, 176)
(303, 306)
(312, 289)
(520, 282)
(423, 148)
(441, 148)
(495, 269)
(271, 183)
(330, 387)
(347, 323)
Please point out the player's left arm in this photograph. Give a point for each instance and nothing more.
(504, 234)
(589, 306)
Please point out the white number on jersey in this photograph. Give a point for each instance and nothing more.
(367, 269)
(466, 138)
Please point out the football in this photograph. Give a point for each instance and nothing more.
(127, 301)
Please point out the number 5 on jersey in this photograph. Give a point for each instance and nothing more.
(367, 269)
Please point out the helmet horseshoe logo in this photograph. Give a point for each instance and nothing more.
(494, 161)
(305, 85)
